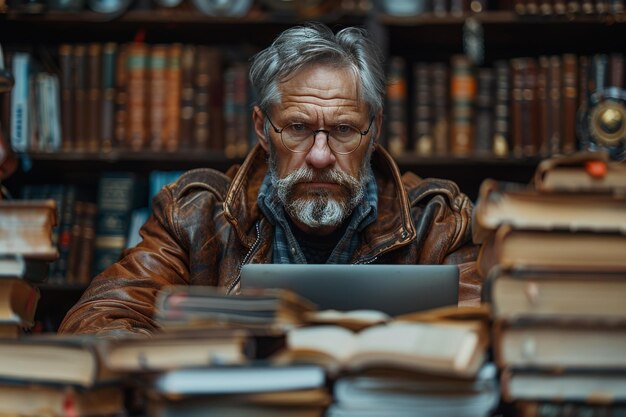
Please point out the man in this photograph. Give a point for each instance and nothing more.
(317, 188)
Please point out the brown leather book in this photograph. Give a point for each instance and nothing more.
(137, 135)
(397, 136)
(570, 98)
(517, 105)
(202, 94)
(483, 144)
(87, 241)
(107, 110)
(555, 119)
(171, 130)
(424, 144)
(187, 70)
(462, 97)
(216, 100)
(156, 93)
(440, 95)
(518, 206)
(530, 110)
(66, 54)
(79, 110)
(502, 120)
(121, 99)
(543, 104)
(94, 90)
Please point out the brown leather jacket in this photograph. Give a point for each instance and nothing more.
(207, 224)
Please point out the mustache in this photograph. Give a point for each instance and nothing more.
(331, 175)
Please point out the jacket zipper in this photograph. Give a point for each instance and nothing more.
(366, 261)
(246, 258)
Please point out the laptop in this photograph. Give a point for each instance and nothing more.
(392, 289)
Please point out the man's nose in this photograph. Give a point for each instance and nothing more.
(320, 155)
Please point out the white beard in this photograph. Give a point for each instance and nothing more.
(319, 209)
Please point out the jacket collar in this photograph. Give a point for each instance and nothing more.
(393, 227)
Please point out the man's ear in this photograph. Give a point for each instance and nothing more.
(259, 121)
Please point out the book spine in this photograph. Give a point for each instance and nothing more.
(501, 137)
(216, 100)
(137, 64)
(423, 139)
(530, 130)
(570, 96)
(115, 203)
(20, 115)
(543, 106)
(157, 95)
(121, 98)
(171, 131)
(107, 124)
(94, 96)
(60, 268)
(242, 116)
(79, 108)
(396, 103)
(67, 95)
(202, 84)
(517, 85)
(187, 100)
(554, 106)
(87, 242)
(483, 144)
(463, 97)
(440, 94)
(53, 106)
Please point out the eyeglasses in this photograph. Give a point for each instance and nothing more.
(342, 138)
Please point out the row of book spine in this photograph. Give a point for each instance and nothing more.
(131, 96)
(522, 107)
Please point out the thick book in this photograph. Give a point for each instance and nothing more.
(575, 386)
(39, 401)
(560, 345)
(583, 172)
(382, 392)
(181, 349)
(54, 360)
(555, 251)
(245, 379)
(517, 205)
(202, 306)
(456, 350)
(26, 228)
(579, 295)
(18, 302)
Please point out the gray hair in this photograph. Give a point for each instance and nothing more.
(301, 46)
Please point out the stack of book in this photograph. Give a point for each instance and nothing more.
(553, 255)
(26, 249)
(252, 385)
(393, 369)
(55, 376)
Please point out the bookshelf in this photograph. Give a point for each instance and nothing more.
(425, 38)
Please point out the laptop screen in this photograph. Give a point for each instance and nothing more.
(392, 289)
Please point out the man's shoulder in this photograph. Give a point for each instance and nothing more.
(422, 190)
(200, 180)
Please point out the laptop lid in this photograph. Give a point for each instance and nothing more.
(392, 289)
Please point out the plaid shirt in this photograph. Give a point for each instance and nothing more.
(286, 249)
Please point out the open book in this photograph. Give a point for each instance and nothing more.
(446, 349)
